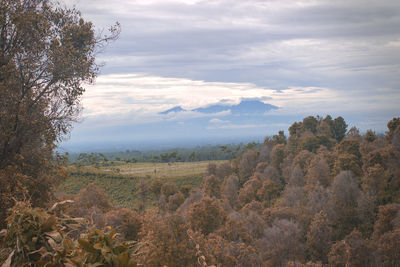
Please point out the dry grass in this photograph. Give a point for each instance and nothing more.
(174, 170)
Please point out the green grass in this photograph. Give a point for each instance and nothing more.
(120, 181)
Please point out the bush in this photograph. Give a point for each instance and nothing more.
(35, 237)
(125, 221)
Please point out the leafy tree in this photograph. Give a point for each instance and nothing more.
(343, 203)
(206, 216)
(310, 124)
(46, 53)
(370, 136)
(280, 138)
(168, 242)
(296, 177)
(268, 191)
(277, 155)
(389, 248)
(339, 128)
(230, 190)
(249, 190)
(247, 164)
(212, 186)
(319, 237)
(392, 125)
(318, 172)
(352, 251)
(280, 243)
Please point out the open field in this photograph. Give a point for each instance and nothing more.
(176, 169)
(120, 180)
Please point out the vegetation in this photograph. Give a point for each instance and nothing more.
(323, 196)
(46, 53)
(121, 182)
(199, 153)
(293, 202)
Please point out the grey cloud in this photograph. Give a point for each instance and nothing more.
(342, 45)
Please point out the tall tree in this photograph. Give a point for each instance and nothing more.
(46, 53)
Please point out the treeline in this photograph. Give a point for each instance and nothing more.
(199, 153)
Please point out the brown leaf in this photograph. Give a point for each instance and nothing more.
(48, 223)
(86, 245)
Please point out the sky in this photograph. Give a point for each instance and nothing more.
(315, 57)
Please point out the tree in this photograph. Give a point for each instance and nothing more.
(46, 53)
(280, 138)
(343, 203)
(247, 164)
(280, 243)
(319, 237)
(206, 216)
(351, 251)
(212, 186)
(318, 172)
(339, 128)
(168, 243)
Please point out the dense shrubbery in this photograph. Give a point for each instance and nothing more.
(35, 237)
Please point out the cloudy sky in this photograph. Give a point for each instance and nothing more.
(306, 57)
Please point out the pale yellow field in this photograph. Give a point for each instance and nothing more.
(177, 169)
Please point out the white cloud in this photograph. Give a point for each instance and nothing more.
(125, 93)
(218, 121)
(138, 98)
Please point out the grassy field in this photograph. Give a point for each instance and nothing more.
(176, 169)
(120, 180)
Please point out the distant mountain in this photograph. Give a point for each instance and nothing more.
(252, 107)
(249, 119)
(244, 107)
(174, 109)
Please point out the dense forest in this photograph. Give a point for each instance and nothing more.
(323, 195)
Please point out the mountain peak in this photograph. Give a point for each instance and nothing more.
(246, 106)
(174, 109)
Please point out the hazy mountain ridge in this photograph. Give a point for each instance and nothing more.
(244, 107)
